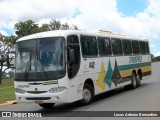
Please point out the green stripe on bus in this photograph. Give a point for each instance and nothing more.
(133, 66)
(49, 83)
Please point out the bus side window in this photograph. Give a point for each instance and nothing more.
(147, 48)
(143, 47)
(127, 47)
(116, 46)
(89, 46)
(104, 46)
(73, 55)
(135, 47)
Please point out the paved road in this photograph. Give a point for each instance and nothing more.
(144, 98)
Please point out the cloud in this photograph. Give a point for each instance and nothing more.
(104, 15)
(91, 15)
(4, 32)
(29, 9)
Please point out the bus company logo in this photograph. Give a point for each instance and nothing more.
(6, 114)
(135, 59)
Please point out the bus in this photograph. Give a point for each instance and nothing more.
(65, 66)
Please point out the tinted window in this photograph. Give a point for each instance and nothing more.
(72, 39)
(135, 47)
(143, 47)
(147, 47)
(73, 55)
(104, 46)
(127, 46)
(89, 46)
(116, 46)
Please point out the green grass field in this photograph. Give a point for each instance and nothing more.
(7, 91)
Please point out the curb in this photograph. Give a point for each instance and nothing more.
(8, 103)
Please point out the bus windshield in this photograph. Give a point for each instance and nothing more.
(38, 56)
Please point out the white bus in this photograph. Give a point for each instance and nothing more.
(64, 66)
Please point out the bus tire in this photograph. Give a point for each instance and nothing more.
(87, 95)
(47, 105)
(133, 81)
(138, 81)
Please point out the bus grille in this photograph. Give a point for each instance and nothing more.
(36, 92)
(38, 98)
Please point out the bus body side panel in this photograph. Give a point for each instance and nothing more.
(111, 72)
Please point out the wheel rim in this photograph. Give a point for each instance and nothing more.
(134, 80)
(86, 95)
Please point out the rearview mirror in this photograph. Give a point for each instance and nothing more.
(8, 59)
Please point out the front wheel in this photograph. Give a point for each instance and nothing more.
(87, 94)
(47, 105)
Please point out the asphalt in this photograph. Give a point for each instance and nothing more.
(144, 98)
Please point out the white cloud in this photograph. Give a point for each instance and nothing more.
(153, 7)
(4, 33)
(29, 9)
(95, 14)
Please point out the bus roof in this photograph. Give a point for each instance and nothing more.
(63, 33)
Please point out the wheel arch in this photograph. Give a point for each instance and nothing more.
(139, 73)
(89, 81)
(134, 71)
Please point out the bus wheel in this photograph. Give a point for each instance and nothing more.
(47, 105)
(87, 94)
(138, 81)
(133, 81)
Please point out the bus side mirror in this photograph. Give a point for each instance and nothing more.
(71, 56)
(8, 60)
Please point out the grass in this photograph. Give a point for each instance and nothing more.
(7, 91)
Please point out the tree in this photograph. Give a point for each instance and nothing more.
(10, 39)
(5, 46)
(44, 27)
(157, 58)
(65, 26)
(23, 28)
(11, 73)
(54, 24)
(26, 28)
(73, 27)
(152, 58)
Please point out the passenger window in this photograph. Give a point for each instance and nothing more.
(89, 46)
(104, 46)
(143, 48)
(147, 47)
(135, 47)
(127, 47)
(116, 46)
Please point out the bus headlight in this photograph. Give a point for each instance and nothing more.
(18, 90)
(57, 89)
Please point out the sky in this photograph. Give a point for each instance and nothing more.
(135, 18)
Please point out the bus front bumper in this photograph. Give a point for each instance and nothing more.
(59, 97)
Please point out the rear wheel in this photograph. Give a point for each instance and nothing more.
(87, 94)
(138, 81)
(47, 105)
(133, 81)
